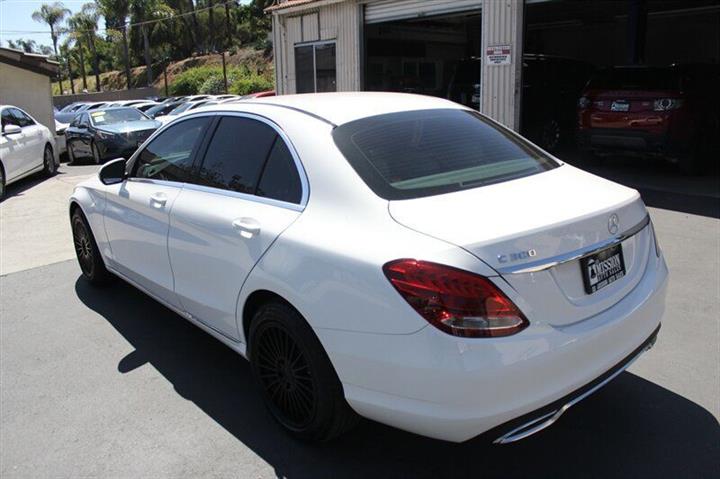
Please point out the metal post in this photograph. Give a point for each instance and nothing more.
(224, 72)
(165, 77)
(127, 55)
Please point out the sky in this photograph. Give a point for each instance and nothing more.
(16, 16)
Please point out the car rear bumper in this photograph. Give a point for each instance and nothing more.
(455, 389)
(628, 140)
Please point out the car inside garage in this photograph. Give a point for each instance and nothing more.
(654, 62)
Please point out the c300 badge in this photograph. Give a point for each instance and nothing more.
(517, 256)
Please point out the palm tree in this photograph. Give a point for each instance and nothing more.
(116, 13)
(53, 14)
(77, 32)
(145, 11)
(66, 50)
(89, 16)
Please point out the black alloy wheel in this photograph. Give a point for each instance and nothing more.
(550, 135)
(86, 250)
(297, 380)
(285, 376)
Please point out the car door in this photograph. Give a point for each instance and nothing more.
(12, 152)
(137, 210)
(247, 191)
(33, 138)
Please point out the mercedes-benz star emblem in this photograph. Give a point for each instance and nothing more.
(613, 224)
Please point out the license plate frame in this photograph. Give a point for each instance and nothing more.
(602, 268)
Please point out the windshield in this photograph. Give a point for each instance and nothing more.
(161, 109)
(185, 107)
(635, 79)
(428, 152)
(116, 115)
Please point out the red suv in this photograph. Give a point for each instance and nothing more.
(671, 112)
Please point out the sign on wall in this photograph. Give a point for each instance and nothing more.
(498, 55)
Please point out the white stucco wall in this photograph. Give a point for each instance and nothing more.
(29, 91)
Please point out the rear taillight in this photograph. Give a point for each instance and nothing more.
(665, 104)
(455, 301)
(584, 102)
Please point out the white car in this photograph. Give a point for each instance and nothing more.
(26, 147)
(184, 107)
(397, 257)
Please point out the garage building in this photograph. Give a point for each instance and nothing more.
(25, 82)
(500, 56)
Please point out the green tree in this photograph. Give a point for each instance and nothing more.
(53, 15)
(116, 13)
(144, 13)
(84, 25)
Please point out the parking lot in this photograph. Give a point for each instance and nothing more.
(107, 382)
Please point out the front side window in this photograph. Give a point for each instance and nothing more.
(236, 154)
(426, 152)
(8, 118)
(315, 68)
(22, 118)
(169, 156)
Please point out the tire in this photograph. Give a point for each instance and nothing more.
(95, 153)
(2, 183)
(550, 135)
(307, 399)
(87, 252)
(49, 166)
(71, 155)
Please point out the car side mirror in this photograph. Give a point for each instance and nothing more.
(113, 172)
(11, 130)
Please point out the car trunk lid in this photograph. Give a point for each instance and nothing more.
(518, 226)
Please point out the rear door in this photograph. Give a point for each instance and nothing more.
(247, 191)
(137, 210)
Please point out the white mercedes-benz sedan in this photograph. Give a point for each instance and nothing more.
(397, 257)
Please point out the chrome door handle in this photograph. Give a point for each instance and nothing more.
(158, 200)
(248, 227)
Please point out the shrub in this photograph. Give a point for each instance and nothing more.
(190, 81)
(209, 80)
(251, 83)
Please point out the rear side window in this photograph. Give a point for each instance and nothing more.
(427, 152)
(280, 179)
(169, 155)
(236, 154)
(22, 119)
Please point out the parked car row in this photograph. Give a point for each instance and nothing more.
(98, 131)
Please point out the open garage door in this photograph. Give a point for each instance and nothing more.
(650, 85)
(391, 10)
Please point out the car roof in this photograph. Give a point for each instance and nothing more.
(339, 108)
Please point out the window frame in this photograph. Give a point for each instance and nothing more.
(202, 151)
(314, 45)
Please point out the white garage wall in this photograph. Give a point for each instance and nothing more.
(29, 91)
(336, 21)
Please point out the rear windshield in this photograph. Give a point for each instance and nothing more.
(635, 79)
(428, 152)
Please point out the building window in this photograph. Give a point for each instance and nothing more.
(315, 67)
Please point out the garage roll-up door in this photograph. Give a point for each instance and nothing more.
(388, 10)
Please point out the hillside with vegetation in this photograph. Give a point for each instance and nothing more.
(103, 42)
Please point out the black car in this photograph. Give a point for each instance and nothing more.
(108, 134)
(551, 87)
(163, 108)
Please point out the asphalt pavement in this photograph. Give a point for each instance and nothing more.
(108, 383)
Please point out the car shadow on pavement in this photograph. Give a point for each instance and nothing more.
(631, 428)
